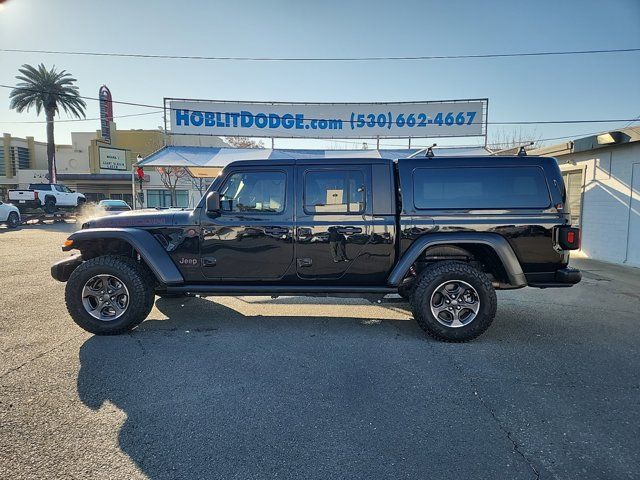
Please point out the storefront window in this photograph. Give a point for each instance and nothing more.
(127, 197)
(162, 198)
(94, 197)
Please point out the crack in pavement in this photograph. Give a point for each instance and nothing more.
(39, 355)
(516, 447)
(138, 341)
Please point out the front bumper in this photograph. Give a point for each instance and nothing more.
(63, 269)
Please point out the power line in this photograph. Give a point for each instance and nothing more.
(85, 119)
(359, 142)
(632, 121)
(323, 59)
(158, 107)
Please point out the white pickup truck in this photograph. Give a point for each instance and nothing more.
(50, 197)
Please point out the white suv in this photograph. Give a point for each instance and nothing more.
(9, 214)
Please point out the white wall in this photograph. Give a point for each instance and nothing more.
(606, 200)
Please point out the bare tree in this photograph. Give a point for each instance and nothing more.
(507, 141)
(170, 176)
(244, 142)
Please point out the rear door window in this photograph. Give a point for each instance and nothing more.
(480, 188)
(334, 191)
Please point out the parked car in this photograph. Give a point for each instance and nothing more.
(443, 232)
(50, 197)
(113, 207)
(9, 215)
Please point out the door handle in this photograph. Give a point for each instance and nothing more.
(349, 230)
(276, 231)
(304, 233)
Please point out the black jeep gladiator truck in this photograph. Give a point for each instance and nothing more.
(444, 233)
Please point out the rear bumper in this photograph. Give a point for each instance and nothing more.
(63, 269)
(26, 203)
(565, 277)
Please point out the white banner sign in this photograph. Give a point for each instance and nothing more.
(460, 118)
(112, 159)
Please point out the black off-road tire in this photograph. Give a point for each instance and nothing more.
(13, 221)
(50, 205)
(135, 278)
(434, 276)
(406, 290)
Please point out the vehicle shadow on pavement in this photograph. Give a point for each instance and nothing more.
(212, 393)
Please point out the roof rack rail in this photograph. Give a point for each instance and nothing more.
(519, 150)
(428, 152)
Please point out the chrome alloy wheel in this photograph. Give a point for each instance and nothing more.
(455, 303)
(105, 297)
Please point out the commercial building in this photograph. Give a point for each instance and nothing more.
(602, 176)
(99, 169)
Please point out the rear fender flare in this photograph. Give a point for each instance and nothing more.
(498, 243)
(143, 242)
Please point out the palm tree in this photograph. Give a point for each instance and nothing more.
(47, 90)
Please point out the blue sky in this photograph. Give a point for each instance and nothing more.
(597, 86)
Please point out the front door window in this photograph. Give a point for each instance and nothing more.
(257, 192)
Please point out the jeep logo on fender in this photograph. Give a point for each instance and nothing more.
(189, 262)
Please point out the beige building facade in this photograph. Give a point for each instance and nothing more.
(98, 169)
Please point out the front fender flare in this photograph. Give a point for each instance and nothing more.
(498, 243)
(143, 242)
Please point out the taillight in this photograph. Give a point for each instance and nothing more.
(569, 238)
(36, 195)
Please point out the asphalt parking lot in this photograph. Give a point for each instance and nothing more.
(243, 388)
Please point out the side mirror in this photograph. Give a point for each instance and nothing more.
(213, 202)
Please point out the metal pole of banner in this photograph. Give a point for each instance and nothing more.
(164, 114)
(377, 143)
(273, 143)
(486, 122)
(409, 143)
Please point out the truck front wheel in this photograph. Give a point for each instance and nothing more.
(109, 295)
(14, 220)
(453, 302)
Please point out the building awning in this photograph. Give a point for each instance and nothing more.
(95, 177)
(207, 161)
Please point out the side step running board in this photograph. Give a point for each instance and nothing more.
(266, 290)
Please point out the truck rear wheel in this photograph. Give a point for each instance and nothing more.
(109, 295)
(50, 205)
(453, 302)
